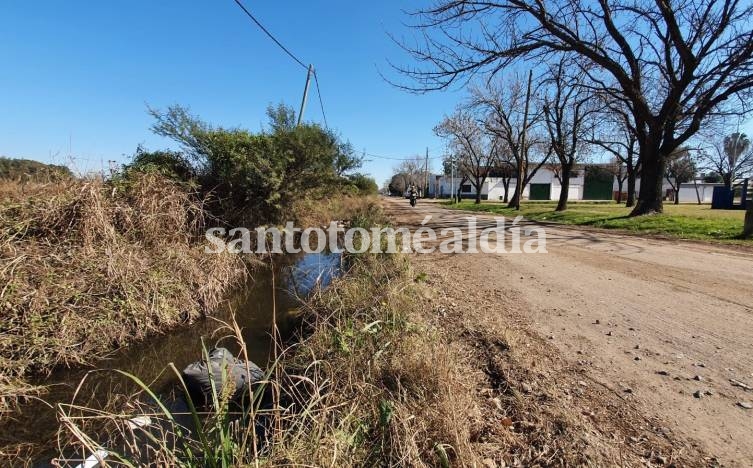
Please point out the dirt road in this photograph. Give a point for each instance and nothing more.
(666, 325)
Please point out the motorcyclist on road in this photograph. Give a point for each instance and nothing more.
(413, 195)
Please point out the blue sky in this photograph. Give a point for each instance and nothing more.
(82, 73)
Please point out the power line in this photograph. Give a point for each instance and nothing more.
(290, 54)
(321, 103)
(400, 158)
(266, 31)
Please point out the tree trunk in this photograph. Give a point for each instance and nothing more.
(652, 175)
(620, 182)
(514, 200)
(728, 181)
(677, 195)
(630, 200)
(564, 187)
(506, 184)
(478, 197)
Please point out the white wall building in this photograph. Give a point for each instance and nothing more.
(546, 186)
(689, 192)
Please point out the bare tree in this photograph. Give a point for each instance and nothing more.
(680, 169)
(617, 168)
(674, 64)
(568, 108)
(476, 148)
(731, 157)
(619, 139)
(556, 169)
(509, 117)
(506, 170)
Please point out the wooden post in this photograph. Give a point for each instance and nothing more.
(747, 197)
(426, 174)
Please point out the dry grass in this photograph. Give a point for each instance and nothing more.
(384, 375)
(381, 375)
(395, 395)
(313, 212)
(365, 384)
(88, 266)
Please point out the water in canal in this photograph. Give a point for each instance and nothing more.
(294, 278)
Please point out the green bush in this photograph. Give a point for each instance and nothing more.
(364, 184)
(171, 164)
(254, 177)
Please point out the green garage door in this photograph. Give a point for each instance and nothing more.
(597, 184)
(540, 192)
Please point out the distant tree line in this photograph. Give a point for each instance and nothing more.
(26, 170)
(514, 126)
(411, 171)
(653, 74)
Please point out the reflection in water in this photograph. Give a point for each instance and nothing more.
(294, 278)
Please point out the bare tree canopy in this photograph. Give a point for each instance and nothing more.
(514, 118)
(674, 64)
(568, 108)
(475, 149)
(408, 172)
(617, 136)
(731, 157)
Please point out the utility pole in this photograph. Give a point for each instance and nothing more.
(426, 174)
(523, 149)
(305, 94)
(452, 179)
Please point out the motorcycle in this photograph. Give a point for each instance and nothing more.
(413, 201)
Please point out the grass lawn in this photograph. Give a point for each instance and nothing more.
(679, 221)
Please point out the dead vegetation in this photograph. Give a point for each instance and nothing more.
(319, 212)
(87, 266)
(394, 394)
(366, 383)
(389, 371)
